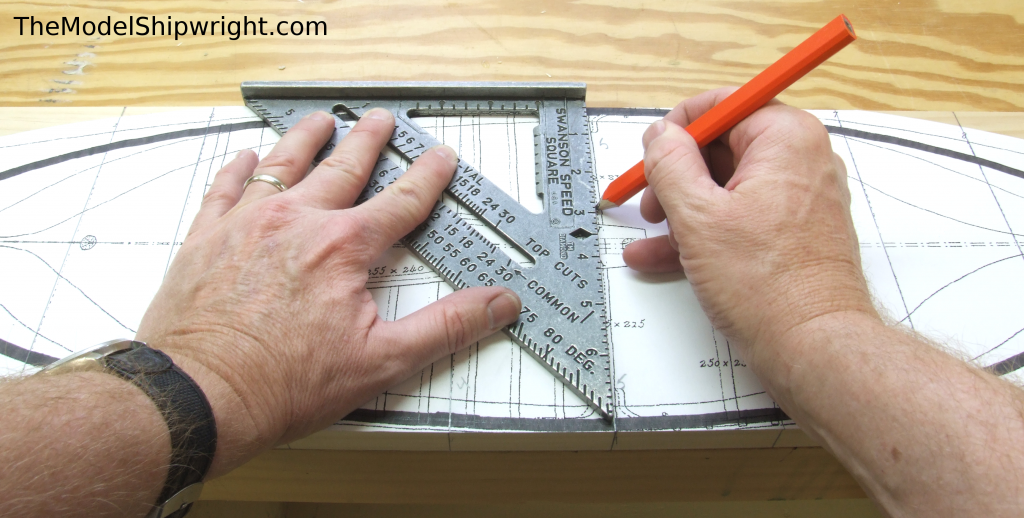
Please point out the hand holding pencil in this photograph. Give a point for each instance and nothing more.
(762, 88)
(759, 222)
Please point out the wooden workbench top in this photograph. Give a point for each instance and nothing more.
(911, 55)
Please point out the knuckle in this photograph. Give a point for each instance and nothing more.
(819, 138)
(352, 225)
(218, 197)
(272, 214)
(277, 205)
(196, 226)
(840, 167)
(657, 151)
(356, 234)
(456, 328)
(667, 158)
(409, 195)
(808, 131)
(796, 133)
(278, 161)
(343, 162)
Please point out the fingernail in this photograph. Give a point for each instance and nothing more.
(447, 152)
(657, 129)
(653, 131)
(503, 310)
(378, 114)
(319, 116)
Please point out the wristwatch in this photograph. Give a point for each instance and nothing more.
(181, 402)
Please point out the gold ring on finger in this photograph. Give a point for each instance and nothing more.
(265, 178)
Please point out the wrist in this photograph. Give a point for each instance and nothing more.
(809, 296)
(792, 362)
(238, 436)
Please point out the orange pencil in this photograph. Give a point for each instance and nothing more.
(751, 96)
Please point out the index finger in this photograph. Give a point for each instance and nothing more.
(691, 109)
(291, 156)
(687, 111)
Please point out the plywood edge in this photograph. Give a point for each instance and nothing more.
(532, 441)
(495, 477)
(696, 439)
(836, 508)
(792, 437)
(334, 439)
(342, 439)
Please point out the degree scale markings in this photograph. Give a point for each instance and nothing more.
(563, 322)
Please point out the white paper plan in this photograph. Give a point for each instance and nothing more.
(91, 214)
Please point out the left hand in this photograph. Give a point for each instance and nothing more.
(265, 304)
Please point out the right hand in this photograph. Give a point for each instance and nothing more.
(759, 221)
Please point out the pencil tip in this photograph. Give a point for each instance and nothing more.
(605, 205)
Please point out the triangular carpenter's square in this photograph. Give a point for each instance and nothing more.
(563, 323)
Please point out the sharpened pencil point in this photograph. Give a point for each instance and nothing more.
(605, 205)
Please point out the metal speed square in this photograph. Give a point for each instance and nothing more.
(562, 324)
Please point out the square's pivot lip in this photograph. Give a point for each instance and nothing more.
(367, 90)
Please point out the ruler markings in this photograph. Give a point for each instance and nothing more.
(564, 285)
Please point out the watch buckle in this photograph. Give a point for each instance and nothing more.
(187, 496)
(87, 360)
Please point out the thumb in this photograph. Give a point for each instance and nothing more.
(675, 168)
(448, 325)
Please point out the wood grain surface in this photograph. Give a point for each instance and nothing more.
(911, 55)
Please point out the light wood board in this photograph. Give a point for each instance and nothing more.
(912, 54)
(832, 508)
(719, 475)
